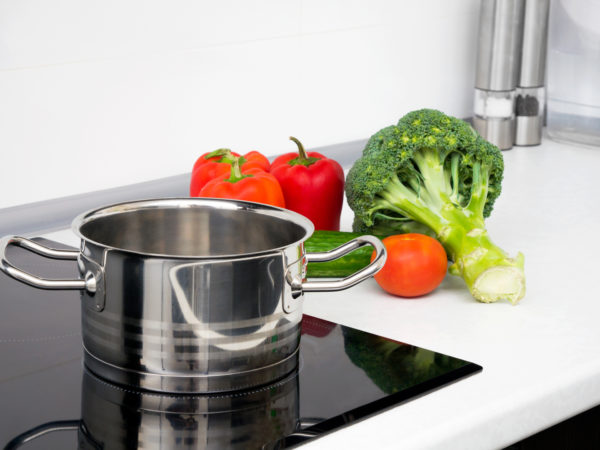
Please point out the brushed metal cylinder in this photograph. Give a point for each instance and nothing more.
(194, 294)
(535, 42)
(499, 132)
(530, 91)
(499, 45)
(528, 130)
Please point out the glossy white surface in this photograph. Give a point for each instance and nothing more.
(541, 358)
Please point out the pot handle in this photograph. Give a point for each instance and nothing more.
(89, 283)
(357, 277)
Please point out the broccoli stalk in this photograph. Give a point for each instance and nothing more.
(433, 170)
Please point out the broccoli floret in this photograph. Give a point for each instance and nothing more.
(435, 172)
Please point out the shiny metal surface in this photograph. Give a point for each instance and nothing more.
(193, 228)
(499, 44)
(89, 282)
(528, 130)
(531, 100)
(337, 285)
(116, 418)
(179, 326)
(535, 43)
(195, 294)
(499, 132)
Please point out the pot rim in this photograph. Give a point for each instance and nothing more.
(192, 202)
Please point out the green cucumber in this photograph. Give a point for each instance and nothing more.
(323, 241)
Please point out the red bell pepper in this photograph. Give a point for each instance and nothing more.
(217, 164)
(313, 185)
(253, 185)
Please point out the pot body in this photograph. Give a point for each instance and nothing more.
(191, 297)
(180, 326)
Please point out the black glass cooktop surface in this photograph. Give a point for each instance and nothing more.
(48, 400)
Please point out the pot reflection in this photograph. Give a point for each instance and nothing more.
(118, 418)
(114, 417)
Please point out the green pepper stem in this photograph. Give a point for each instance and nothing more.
(220, 152)
(303, 159)
(302, 153)
(227, 156)
(236, 171)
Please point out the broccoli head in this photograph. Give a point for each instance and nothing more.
(433, 174)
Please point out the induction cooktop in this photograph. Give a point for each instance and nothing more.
(49, 400)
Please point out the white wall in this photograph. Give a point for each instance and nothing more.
(99, 94)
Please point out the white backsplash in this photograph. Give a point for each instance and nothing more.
(96, 95)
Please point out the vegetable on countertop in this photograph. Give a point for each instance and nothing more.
(217, 164)
(313, 185)
(253, 185)
(435, 170)
(416, 264)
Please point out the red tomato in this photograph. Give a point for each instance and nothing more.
(416, 264)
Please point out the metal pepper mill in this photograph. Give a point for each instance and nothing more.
(498, 70)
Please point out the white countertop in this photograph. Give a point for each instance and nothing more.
(541, 358)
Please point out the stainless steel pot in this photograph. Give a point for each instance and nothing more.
(190, 294)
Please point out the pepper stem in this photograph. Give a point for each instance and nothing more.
(227, 155)
(302, 153)
(303, 159)
(236, 171)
